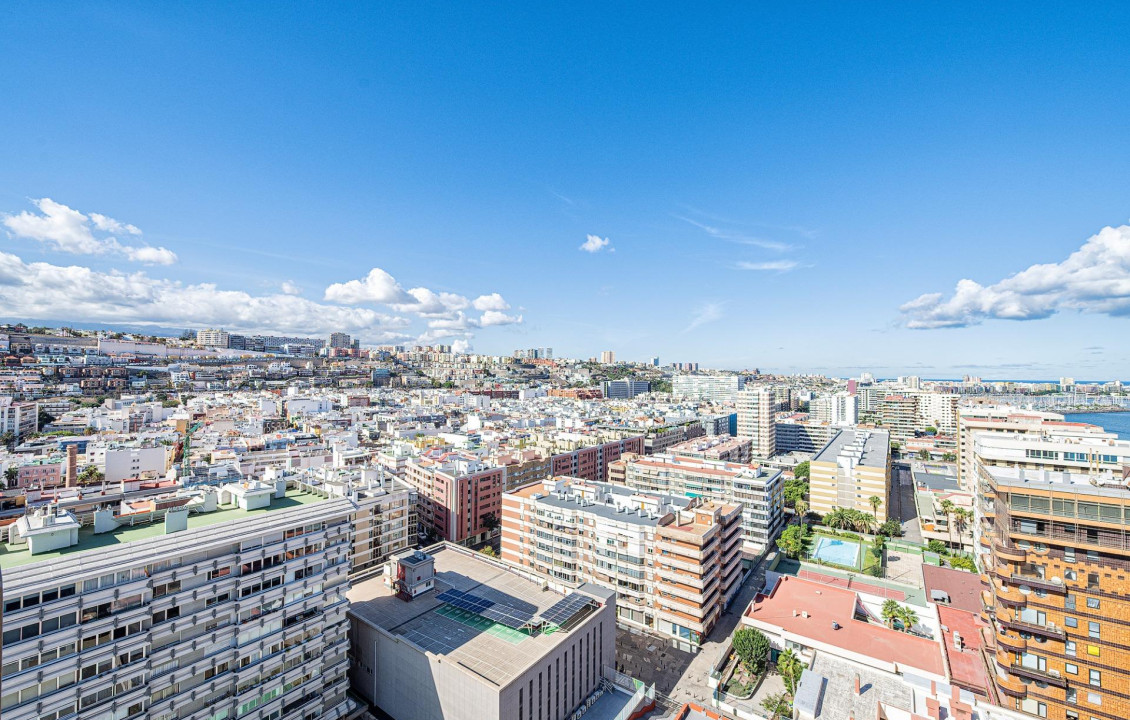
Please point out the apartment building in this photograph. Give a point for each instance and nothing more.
(449, 633)
(212, 338)
(1005, 419)
(218, 603)
(755, 420)
(1058, 550)
(796, 434)
(852, 468)
(713, 388)
(625, 389)
(18, 418)
(674, 562)
(460, 496)
(757, 489)
(899, 414)
(716, 447)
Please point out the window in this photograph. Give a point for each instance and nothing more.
(1069, 554)
(1072, 695)
(1093, 630)
(1093, 603)
(1094, 698)
(1071, 668)
(1069, 648)
(1096, 678)
(1069, 602)
(1070, 622)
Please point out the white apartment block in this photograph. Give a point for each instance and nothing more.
(758, 490)
(212, 338)
(755, 420)
(712, 388)
(851, 469)
(223, 603)
(674, 562)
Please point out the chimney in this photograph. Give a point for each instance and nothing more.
(857, 684)
(72, 465)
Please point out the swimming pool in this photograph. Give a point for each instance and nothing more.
(837, 551)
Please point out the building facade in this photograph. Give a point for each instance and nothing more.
(755, 420)
(852, 468)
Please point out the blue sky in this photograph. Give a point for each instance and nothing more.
(774, 184)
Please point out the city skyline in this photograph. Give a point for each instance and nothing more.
(800, 193)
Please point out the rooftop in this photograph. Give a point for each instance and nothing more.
(808, 609)
(836, 680)
(16, 556)
(963, 588)
(967, 669)
(486, 649)
(874, 447)
(1104, 484)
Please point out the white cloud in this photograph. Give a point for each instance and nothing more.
(67, 230)
(432, 304)
(461, 346)
(290, 288)
(493, 301)
(111, 225)
(42, 291)
(594, 244)
(493, 317)
(376, 287)
(1095, 278)
(706, 313)
(771, 266)
(150, 255)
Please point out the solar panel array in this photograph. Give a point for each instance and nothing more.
(564, 609)
(498, 612)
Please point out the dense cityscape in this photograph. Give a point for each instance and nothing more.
(218, 525)
(564, 361)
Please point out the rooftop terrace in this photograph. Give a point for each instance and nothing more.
(19, 555)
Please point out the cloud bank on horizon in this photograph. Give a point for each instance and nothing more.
(1093, 279)
(375, 307)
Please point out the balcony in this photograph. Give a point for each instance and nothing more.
(1010, 553)
(1053, 584)
(1038, 675)
(1050, 630)
(1012, 643)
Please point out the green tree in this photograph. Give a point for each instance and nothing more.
(790, 666)
(891, 528)
(923, 454)
(875, 501)
(963, 562)
(801, 470)
(890, 612)
(801, 507)
(907, 617)
(931, 430)
(947, 509)
(937, 546)
(91, 475)
(795, 490)
(776, 706)
(752, 648)
(949, 457)
(793, 540)
(11, 476)
(838, 518)
(45, 418)
(7, 439)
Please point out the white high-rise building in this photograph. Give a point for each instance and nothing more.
(715, 388)
(844, 409)
(755, 420)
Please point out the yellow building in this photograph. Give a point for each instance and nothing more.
(852, 468)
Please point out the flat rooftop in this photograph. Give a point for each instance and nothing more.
(1053, 481)
(489, 650)
(876, 447)
(838, 699)
(11, 557)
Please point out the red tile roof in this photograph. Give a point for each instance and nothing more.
(792, 597)
(966, 667)
(964, 588)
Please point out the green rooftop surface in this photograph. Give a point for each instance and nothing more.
(480, 623)
(87, 540)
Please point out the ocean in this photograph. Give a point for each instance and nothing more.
(1115, 422)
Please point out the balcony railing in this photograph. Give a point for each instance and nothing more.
(1049, 630)
(1054, 584)
(1040, 675)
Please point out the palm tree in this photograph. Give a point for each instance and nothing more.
(801, 507)
(890, 612)
(907, 617)
(875, 502)
(838, 518)
(790, 666)
(948, 508)
(862, 522)
(962, 517)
